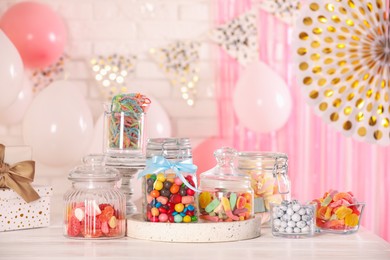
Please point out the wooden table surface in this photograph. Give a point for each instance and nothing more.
(49, 243)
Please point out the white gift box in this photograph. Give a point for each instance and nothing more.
(15, 213)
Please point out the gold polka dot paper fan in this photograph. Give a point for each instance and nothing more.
(342, 62)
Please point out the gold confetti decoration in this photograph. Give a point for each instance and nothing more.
(285, 10)
(41, 78)
(239, 37)
(342, 62)
(180, 61)
(111, 72)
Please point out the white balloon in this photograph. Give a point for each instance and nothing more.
(96, 146)
(261, 99)
(11, 72)
(14, 113)
(58, 125)
(158, 124)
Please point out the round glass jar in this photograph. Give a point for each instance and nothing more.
(95, 208)
(169, 181)
(226, 194)
(269, 179)
(124, 121)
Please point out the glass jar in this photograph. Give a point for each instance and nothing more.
(269, 179)
(169, 181)
(226, 194)
(94, 206)
(124, 121)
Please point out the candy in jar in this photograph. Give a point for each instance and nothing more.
(95, 208)
(226, 195)
(169, 181)
(269, 179)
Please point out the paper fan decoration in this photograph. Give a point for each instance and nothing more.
(342, 60)
(180, 61)
(41, 78)
(285, 10)
(239, 37)
(111, 72)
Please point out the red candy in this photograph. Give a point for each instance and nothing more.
(94, 225)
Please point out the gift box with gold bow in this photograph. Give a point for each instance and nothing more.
(22, 205)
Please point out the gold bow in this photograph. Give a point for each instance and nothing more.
(18, 177)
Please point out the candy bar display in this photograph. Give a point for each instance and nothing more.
(338, 212)
(169, 181)
(269, 179)
(226, 195)
(292, 219)
(94, 207)
(124, 123)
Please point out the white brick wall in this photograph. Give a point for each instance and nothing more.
(100, 27)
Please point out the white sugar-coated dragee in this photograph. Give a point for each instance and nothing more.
(292, 218)
(296, 217)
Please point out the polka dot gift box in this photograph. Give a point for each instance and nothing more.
(16, 214)
(22, 205)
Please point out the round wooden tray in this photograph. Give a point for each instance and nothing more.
(193, 232)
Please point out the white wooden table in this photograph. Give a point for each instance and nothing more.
(49, 243)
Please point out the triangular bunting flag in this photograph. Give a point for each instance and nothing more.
(111, 72)
(179, 61)
(239, 37)
(41, 78)
(285, 10)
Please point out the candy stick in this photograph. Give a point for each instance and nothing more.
(226, 206)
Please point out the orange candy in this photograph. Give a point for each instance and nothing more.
(174, 189)
(155, 193)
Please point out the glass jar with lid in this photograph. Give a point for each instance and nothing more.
(226, 194)
(269, 178)
(95, 208)
(169, 181)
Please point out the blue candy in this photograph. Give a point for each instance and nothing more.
(158, 204)
(182, 214)
(190, 207)
(175, 213)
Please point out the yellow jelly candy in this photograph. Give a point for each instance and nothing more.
(204, 199)
(343, 211)
(161, 177)
(351, 220)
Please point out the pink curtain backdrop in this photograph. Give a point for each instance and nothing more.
(319, 157)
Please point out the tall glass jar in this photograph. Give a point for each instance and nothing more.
(94, 206)
(269, 179)
(124, 121)
(226, 194)
(169, 181)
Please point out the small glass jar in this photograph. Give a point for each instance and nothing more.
(269, 179)
(124, 121)
(226, 195)
(94, 206)
(169, 181)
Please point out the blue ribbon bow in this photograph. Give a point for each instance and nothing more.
(159, 163)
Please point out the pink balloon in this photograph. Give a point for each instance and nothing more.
(37, 31)
(203, 154)
(15, 112)
(261, 99)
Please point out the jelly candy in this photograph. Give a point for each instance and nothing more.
(204, 199)
(338, 212)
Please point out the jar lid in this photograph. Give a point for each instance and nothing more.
(225, 170)
(94, 169)
(170, 148)
(261, 160)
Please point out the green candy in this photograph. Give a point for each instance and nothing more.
(233, 200)
(326, 201)
(212, 205)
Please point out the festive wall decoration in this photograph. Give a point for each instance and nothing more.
(111, 72)
(41, 78)
(342, 62)
(179, 61)
(285, 10)
(238, 37)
